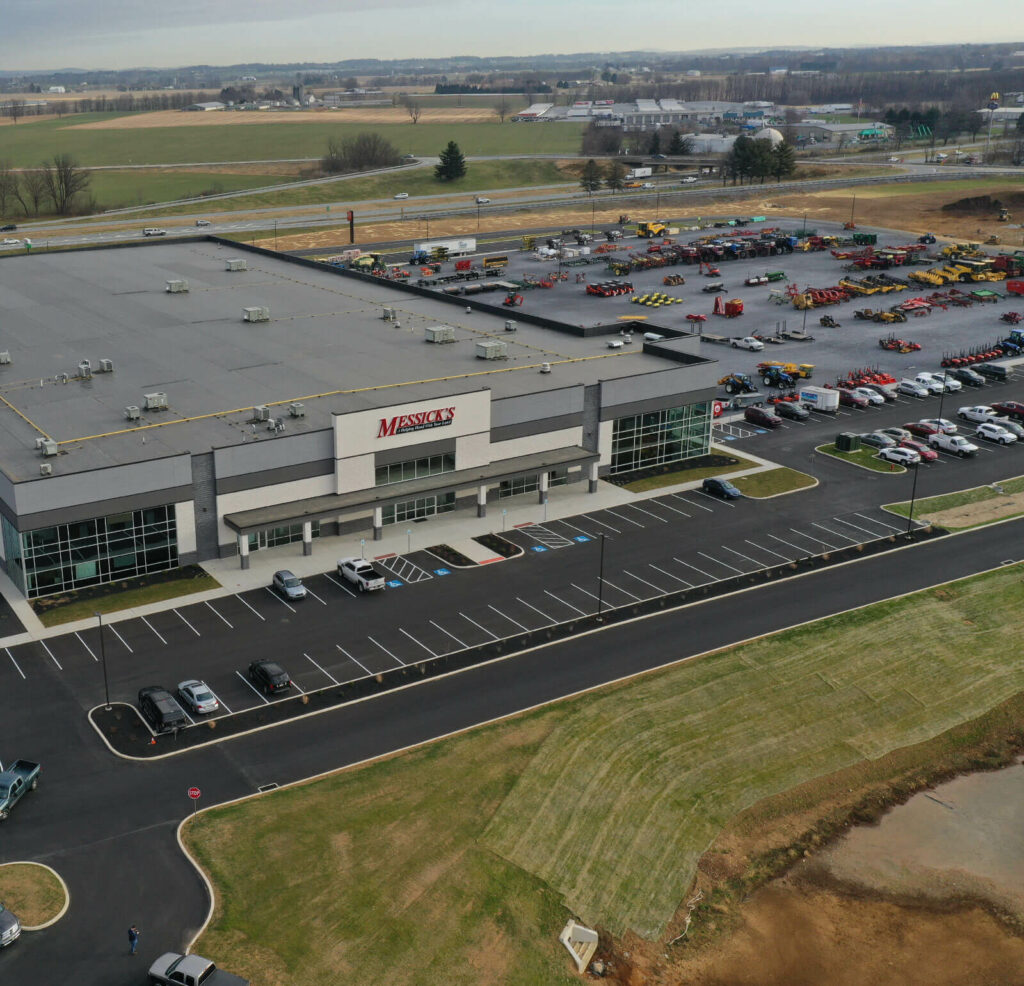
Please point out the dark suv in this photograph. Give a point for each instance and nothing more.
(269, 677)
(720, 487)
(761, 416)
(160, 710)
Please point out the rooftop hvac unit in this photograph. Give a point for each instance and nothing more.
(652, 337)
(545, 368)
(45, 469)
(491, 349)
(48, 447)
(85, 369)
(106, 366)
(157, 401)
(510, 325)
(275, 424)
(440, 333)
(388, 315)
(615, 343)
(297, 409)
(131, 412)
(236, 263)
(5, 358)
(260, 314)
(261, 413)
(177, 286)
(39, 443)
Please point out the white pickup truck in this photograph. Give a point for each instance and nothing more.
(154, 231)
(954, 444)
(175, 969)
(361, 573)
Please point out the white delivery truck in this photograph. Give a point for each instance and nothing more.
(639, 173)
(820, 399)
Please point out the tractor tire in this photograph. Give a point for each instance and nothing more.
(729, 388)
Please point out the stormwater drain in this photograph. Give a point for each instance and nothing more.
(263, 788)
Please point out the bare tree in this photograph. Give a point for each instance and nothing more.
(30, 192)
(8, 186)
(501, 109)
(412, 107)
(15, 109)
(63, 179)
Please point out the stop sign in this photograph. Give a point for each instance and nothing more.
(193, 793)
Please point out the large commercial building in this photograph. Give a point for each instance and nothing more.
(168, 403)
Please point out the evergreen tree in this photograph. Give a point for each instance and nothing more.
(783, 161)
(590, 179)
(615, 176)
(680, 145)
(452, 164)
(655, 145)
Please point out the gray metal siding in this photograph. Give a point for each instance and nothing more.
(204, 496)
(591, 416)
(666, 388)
(540, 406)
(657, 403)
(387, 457)
(270, 477)
(264, 454)
(539, 427)
(101, 508)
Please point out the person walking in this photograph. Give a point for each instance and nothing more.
(133, 939)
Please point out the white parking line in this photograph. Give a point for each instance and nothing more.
(477, 625)
(315, 596)
(767, 551)
(856, 527)
(671, 576)
(656, 588)
(628, 520)
(420, 642)
(153, 628)
(633, 506)
(509, 618)
(811, 537)
(353, 660)
(695, 568)
(611, 585)
(602, 523)
(212, 610)
(87, 647)
(15, 663)
(880, 523)
(838, 534)
(673, 509)
(740, 554)
(113, 629)
(452, 635)
(340, 585)
(800, 551)
(263, 697)
(564, 603)
(186, 622)
(241, 600)
(267, 588)
(534, 608)
(386, 651)
(580, 529)
(325, 671)
(701, 506)
(715, 499)
(738, 571)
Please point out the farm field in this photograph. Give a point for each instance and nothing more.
(120, 189)
(468, 854)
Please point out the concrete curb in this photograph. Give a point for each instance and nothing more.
(59, 879)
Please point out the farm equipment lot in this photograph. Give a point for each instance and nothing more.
(939, 318)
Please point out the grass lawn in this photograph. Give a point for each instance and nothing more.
(117, 596)
(459, 861)
(866, 457)
(773, 482)
(929, 506)
(480, 176)
(29, 143)
(678, 476)
(121, 189)
(31, 892)
(958, 188)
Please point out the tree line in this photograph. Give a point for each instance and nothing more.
(59, 183)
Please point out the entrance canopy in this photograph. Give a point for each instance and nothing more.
(332, 505)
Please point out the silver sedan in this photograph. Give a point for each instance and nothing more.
(198, 696)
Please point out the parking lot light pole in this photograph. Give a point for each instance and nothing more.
(913, 488)
(600, 580)
(103, 661)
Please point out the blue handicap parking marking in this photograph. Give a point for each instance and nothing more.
(729, 438)
(442, 571)
(395, 583)
(581, 538)
(539, 547)
(760, 431)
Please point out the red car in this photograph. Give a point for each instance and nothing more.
(927, 454)
(850, 399)
(761, 416)
(1012, 409)
(921, 429)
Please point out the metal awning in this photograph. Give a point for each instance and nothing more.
(331, 505)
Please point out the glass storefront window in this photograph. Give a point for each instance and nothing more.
(399, 472)
(424, 506)
(658, 437)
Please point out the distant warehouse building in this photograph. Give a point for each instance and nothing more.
(168, 405)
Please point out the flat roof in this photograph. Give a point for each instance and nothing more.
(326, 345)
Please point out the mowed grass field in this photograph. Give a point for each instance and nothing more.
(121, 189)
(459, 861)
(29, 143)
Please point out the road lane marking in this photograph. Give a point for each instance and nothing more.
(493, 636)
(87, 647)
(325, 671)
(602, 523)
(119, 637)
(696, 569)
(740, 554)
(811, 537)
(14, 662)
(701, 506)
(880, 523)
(580, 529)
(386, 651)
(715, 499)
(628, 520)
(315, 596)
(767, 550)
(267, 588)
(738, 571)
(452, 635)
(564, 603)
(212, 610)
(656, 588)
(534, 608)
(856, 527)
(800, 552)
(611, 585)
(673, 509)
(151, 627)
(186, 622)
(340, 585)
(420, 642)
(260, 694)
(838, 534)
(354, 661)
(509, 618)
(671, 576)
(241, 600)
(633, 506)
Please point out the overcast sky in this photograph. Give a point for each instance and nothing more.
(91, 34)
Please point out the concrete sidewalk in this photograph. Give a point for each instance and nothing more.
(455, 529)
